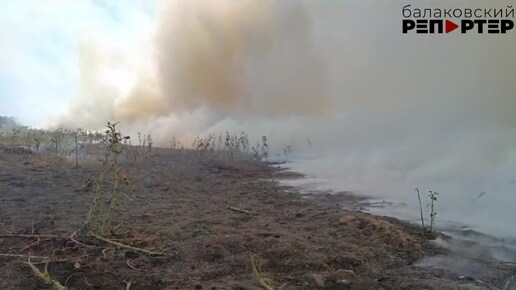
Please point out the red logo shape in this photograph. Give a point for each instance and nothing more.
(450, 26)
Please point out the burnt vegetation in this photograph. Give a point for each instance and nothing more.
(87, 209)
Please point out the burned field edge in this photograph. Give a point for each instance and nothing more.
(190, 220)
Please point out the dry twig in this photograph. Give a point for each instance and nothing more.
(258, 277)
(45, 276)
(128, 262)
(120, 245)
(239, 210)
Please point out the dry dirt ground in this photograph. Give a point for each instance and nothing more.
(209, 216)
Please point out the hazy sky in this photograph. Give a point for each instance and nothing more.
(40, 43)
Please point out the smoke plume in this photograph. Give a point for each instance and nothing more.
(229, 57)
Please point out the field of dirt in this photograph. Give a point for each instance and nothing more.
(209, 218)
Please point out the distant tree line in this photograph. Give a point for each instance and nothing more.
(7, 121)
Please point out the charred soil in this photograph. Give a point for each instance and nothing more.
(211, 217)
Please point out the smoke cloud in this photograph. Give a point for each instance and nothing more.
(229, 57)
